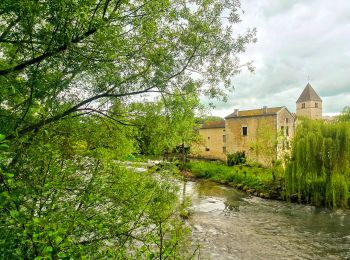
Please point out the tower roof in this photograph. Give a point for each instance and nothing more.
(308, 94)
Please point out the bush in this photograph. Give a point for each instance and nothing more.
(236, 158)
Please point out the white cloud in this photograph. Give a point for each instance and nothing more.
(296, 39)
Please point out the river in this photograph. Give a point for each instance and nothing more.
(229, 224)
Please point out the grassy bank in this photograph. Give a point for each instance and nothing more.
(255, 179)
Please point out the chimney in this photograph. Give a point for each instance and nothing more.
(235, 112)
(264, 110)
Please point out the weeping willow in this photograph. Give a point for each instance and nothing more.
(318, 171)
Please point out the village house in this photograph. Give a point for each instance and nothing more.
(264, 134)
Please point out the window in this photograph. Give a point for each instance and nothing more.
(207, 149)
(316, 105)
(287, 120)
(303, 105)
(287, 131)
(244, 130)
(282, 130)
(224, 149)
(224, 138)
(208, 137)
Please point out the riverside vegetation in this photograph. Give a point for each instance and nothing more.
(85, 85)
(316, 172)
(253, 178)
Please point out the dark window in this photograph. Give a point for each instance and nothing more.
(207, 149)
(316, 105)
(224, 149)
(287, 131)
(244, 130)
(224, 138)
(208, 137)
(303, 105)
(287, 120)
(282, 129)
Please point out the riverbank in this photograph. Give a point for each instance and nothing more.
(253, 179)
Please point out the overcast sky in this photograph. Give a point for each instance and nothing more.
(296, 39)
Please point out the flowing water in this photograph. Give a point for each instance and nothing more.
(229, 224)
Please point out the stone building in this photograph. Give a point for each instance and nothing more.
(213, 145)
(264, 134)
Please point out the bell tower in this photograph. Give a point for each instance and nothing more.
(309, 104)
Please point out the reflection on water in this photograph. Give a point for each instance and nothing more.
(232, 225)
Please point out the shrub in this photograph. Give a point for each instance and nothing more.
(236, 158)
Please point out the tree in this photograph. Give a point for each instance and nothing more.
(62, 63)
(345, 115)
(166, 124)
(67, 197)
(65, 57)
(318, 170)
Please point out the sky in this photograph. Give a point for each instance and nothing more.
(299, 41)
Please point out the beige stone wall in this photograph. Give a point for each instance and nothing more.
(211, 145)
(286, 129)
(310, 110)
(269, 138)
(260, 142)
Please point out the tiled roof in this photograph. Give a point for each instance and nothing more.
(308, 94)
(214, 124)
(255, 112)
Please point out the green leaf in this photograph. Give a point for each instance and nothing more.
(48, 250)
(36, 220)
(4, 147)
(2, 137)
(61, 255)
(58, 239)
(14, 213)
(10, 175)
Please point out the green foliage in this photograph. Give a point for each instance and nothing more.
(345, 115)
(63, 201)
(162, 127)
(60, 58)
(3, 143)
(319, 167)
(251, 177)
(236, 158)
(62, 65)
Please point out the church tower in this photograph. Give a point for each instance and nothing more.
(309, 104)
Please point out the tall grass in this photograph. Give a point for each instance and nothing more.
(247, 176)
